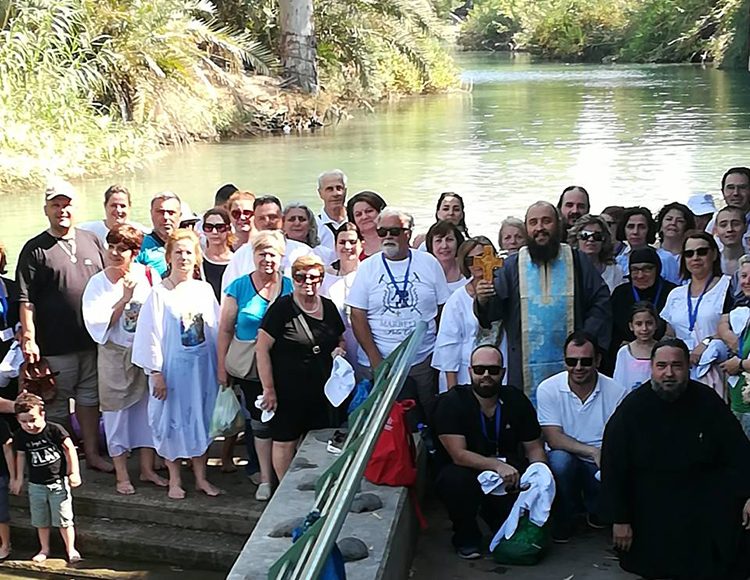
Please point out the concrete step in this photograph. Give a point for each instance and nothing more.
(131, 541)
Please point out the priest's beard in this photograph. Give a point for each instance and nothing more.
(669, 390)
(541, 254)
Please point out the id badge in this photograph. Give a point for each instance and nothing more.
(6, 334)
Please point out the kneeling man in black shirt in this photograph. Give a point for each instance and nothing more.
(484, 426)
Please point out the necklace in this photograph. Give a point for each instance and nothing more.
(305, 310)
(71, 253)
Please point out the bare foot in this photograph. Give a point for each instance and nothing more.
(98, 464)
(208, 489)
(125, 488)
(74, 557)
(154, 478)
(40, 557)
(176, 492)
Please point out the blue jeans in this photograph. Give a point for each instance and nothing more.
(577, 488)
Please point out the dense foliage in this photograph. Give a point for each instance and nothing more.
(628, 30)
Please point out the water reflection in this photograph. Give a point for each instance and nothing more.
(629, 134)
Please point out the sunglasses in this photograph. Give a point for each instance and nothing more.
(586, 361)
(595, 236)
(301, 277)
(221, 228)
(242, 213)
(481, 369)
(701, 252)
(393, 232)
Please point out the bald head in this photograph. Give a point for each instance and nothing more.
(486, 354)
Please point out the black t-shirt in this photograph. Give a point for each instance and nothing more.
(298, 372)
(458, 413)
(213, 273)
(44, 453)
(52, 275)
(5, 437)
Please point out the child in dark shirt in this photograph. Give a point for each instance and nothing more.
(53, 470)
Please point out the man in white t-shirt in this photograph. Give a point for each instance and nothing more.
(332, 190)
(267, 216)
(394, 289)
(573, 408)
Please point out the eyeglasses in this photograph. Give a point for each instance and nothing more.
(701, 252)
(242, 213)
(481, 369)
(301, 277)
(221, 228)
(393, 232)
(642, 269)
(586, 361)
(586, 235)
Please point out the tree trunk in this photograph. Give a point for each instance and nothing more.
(297, 44)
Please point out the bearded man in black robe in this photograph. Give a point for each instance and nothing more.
(676, 477)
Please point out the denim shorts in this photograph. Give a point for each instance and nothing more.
(51, 504)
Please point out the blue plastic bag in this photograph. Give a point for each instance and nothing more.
(334, 567)
(361, 392)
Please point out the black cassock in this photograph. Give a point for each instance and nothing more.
(679, 473)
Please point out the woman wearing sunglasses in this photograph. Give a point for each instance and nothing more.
(241, 210)
(298, 338)
(217, 229)
(591, 236)
(693, 311)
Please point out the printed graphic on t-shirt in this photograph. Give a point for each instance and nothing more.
(398, 296)
(130, 320)
(43, 453)
(192, 329)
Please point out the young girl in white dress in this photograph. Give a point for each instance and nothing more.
(633, 365)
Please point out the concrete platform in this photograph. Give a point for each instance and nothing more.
(586, 557)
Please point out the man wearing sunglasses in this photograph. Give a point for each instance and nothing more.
(484, 426)
(542, 294)
(573, 408)
(332, 190)
(393, 290)
(676, 477)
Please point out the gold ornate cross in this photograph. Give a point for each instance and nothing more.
(488, 262)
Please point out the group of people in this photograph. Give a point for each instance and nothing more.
(548, 343)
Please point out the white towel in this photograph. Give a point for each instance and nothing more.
(11, 364)
(265, 416)
(340, 383)
(492, 483)
(716, 352)
(537, 501)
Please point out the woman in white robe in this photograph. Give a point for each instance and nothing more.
(459, 333)
(175, 343)
(111, 304)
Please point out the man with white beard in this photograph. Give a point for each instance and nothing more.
(393, 290)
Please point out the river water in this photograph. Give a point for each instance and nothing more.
(630, 134)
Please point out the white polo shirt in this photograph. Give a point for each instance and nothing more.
(584, 421)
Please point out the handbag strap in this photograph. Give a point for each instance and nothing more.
(306, 327)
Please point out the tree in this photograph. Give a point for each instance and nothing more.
(297, 45)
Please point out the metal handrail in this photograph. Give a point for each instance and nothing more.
(310, 552)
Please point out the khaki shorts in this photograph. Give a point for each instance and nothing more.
(77, 379)
(51, 505)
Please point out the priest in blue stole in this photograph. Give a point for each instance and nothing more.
(541, 295)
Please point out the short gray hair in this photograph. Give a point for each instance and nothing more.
(332, 173)
(744, 260)
(312, 233)
(402, 215)
(163, 196)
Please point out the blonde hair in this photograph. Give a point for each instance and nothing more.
(306, 262)
(185, 234)
(240, 195)
(273, 239)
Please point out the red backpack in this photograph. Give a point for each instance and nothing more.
(394, 459)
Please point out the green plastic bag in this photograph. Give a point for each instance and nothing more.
(227, 411)
(525, 547)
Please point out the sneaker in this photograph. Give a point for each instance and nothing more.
(264, 492)
(594, 522)
(468, 553)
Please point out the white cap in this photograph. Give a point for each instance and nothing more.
(186, 214)
(702, 204)
(58, 187)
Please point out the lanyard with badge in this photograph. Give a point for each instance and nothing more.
(693, 314)
(498, 420)
(402, 293)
